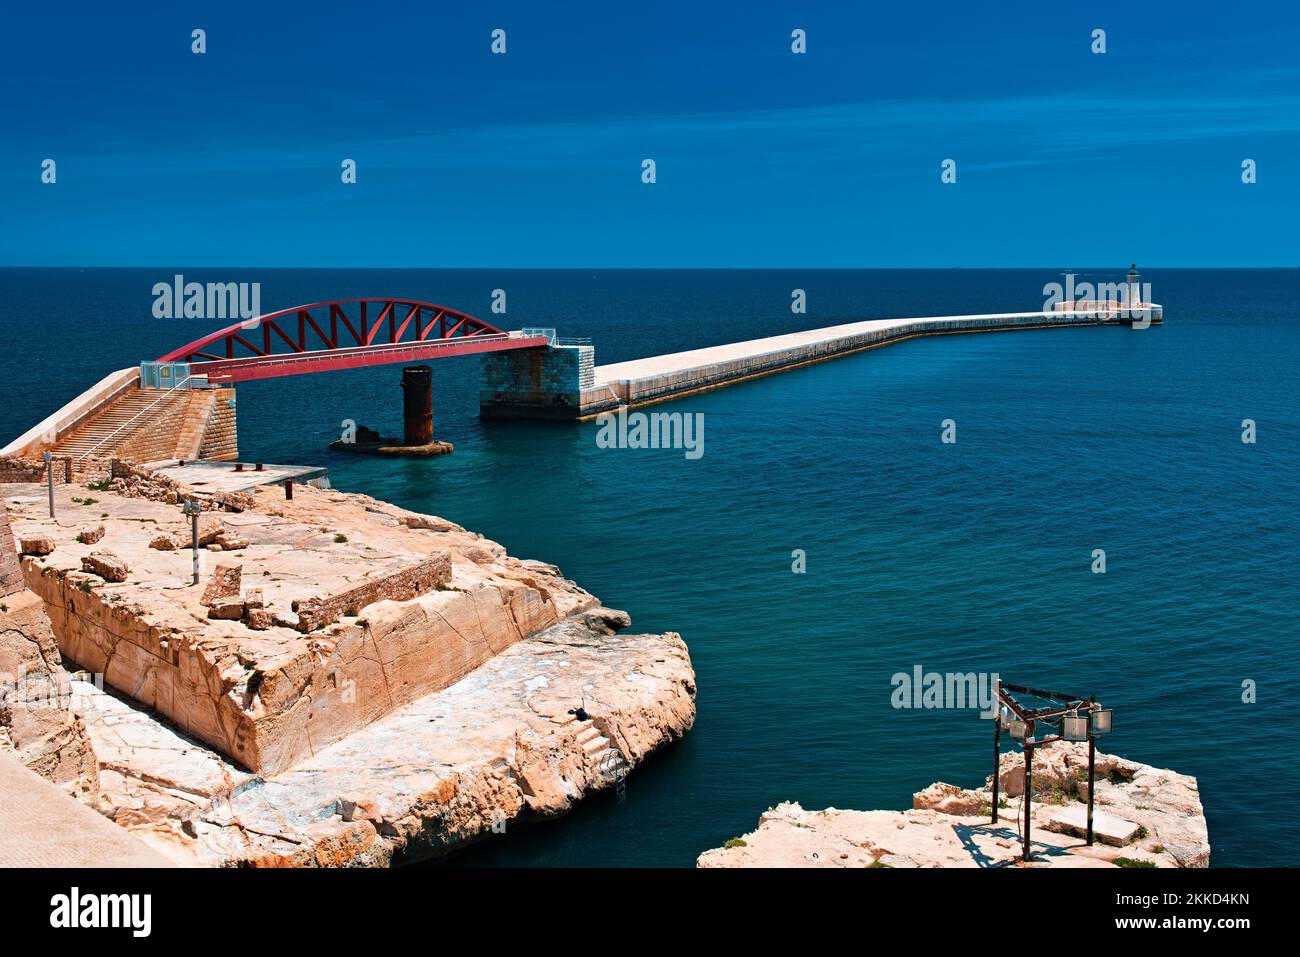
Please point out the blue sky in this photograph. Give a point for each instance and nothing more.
(764, 158)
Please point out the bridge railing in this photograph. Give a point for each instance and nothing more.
(548, 333)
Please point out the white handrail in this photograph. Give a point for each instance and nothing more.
(134, 417)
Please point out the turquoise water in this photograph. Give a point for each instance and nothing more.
(967, 557)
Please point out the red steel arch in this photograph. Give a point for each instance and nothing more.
(293, 341)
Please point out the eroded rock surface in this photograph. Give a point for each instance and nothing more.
(477, 758)
(950, 827)
(363, 608)
(37, 721)
(373, 686)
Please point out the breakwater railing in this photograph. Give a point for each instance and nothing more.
(666, 384)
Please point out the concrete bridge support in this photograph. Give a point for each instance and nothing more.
(550, 382)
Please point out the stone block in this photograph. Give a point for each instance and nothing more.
(224, 583)
(106, 565)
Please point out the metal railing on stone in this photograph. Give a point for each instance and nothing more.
(128, 422)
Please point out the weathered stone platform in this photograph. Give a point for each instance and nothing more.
(350, 683)
(950, 827)
(495, 750)
(42, 826)
(313, 617)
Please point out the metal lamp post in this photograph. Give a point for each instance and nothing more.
(1076, 719)
(1098, 723)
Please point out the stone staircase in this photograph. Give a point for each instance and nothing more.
(144, 425)
(601, 756)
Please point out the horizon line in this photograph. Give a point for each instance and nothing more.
(1003, 268)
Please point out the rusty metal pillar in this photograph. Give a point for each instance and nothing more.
(417, 405)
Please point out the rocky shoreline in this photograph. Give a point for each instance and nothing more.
(350, 683)
(950, 826)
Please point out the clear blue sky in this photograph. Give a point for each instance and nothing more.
(765, 158)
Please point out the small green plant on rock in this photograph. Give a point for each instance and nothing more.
(340, 539)
(1131, 862)
(735, 842)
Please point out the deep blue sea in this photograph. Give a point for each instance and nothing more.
(967, 557)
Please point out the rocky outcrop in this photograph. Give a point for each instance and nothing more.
(495, 750)
(364, 608)
(950, 827)
(364, 685)
(37, 720)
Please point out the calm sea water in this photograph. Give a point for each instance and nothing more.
(966, 557)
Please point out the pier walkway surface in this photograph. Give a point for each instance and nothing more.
(42, 826)
(642, 381)
(529, 373)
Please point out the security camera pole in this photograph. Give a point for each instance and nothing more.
(49, 477)
(192, 508)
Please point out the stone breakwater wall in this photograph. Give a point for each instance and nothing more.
(715, 368)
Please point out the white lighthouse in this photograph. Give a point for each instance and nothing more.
(1134, 286)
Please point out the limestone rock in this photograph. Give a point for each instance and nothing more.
(37, 720)
(164, 543)
(37, 545)
(606, 621)
(226, 609)
(390, 615)
(91, 536)
(430, 522)
(950, 827)
(260, 619)
(504, 742)
(950, 799)
(224, 583)
(359, 809)
(106, 565)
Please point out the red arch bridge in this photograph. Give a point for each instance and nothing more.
(343, 334)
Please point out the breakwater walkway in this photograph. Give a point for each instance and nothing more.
(563, 381)
(174, 409)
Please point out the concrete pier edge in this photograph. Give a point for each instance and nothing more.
(539, 388)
